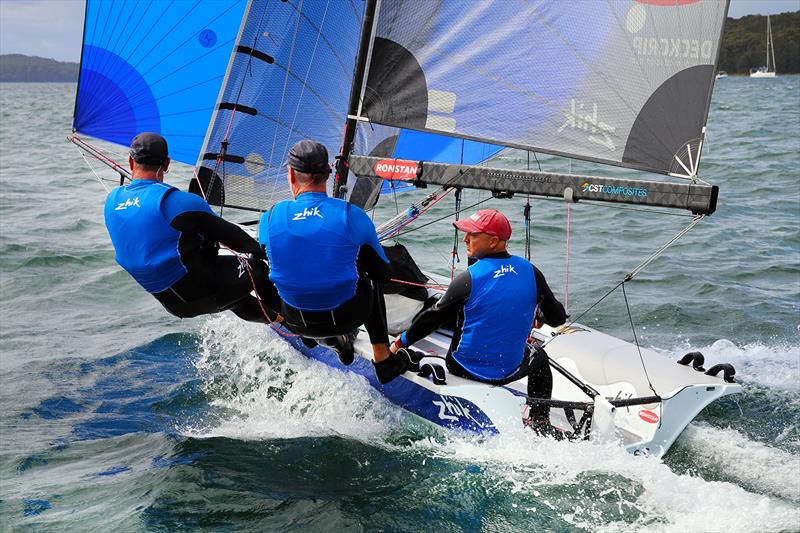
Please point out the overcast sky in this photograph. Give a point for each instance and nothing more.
(54, 28)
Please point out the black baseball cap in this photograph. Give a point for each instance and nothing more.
(310, 157)
(149, 149)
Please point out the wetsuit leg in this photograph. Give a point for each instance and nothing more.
(367, 307)
(375, 322)
(221, 285)
(234, 285)
(540, 384)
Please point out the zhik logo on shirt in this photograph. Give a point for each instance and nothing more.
(503, 270)
(127, 203)
(306, 213)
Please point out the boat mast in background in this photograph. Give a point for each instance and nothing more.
(769, 70)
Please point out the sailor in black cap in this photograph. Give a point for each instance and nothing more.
(168, 240)
(326, 262)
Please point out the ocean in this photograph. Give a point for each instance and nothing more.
(116, 416)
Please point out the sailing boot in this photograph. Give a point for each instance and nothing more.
(343, 346)
(397, 363)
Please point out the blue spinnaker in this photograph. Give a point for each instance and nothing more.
(154, 66)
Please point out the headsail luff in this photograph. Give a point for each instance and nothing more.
(621, 82)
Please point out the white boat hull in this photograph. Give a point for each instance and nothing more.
(609, 365)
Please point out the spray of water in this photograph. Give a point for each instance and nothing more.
(264, 389)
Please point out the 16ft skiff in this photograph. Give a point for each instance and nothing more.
(427, 92)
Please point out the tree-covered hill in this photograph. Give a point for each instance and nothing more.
(744, 44)
(17, 67)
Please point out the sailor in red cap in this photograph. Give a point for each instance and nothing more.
(493, 305)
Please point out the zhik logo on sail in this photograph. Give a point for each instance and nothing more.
(306, 213)
(127, 203)
(503, 270)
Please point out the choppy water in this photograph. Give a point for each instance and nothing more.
(114, 415)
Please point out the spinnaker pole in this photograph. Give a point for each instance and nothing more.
(342, 164)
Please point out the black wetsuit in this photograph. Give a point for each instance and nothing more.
(367, 307)
(327, 266)
(217, 282)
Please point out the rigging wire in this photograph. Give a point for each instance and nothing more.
(566, 266)
(526, 212)
(527, 216)
(96, 175)
(415, 228)
(633, 273)
(454, 254)
(696, 220)
(636, 340)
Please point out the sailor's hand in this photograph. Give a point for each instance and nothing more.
(261, 254)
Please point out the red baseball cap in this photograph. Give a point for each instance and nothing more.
(488, 221)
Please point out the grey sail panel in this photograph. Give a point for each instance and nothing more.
(697, 198)
(622, 82)
(288, 79)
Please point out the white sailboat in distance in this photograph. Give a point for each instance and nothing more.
(767, 71)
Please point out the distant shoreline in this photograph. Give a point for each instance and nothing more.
(31, 69)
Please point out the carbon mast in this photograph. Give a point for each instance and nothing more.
(354, 104)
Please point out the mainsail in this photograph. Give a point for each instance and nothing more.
(625, 83)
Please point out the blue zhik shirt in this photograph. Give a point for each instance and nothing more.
(498, 317)
(138, 219)
(313, 244)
